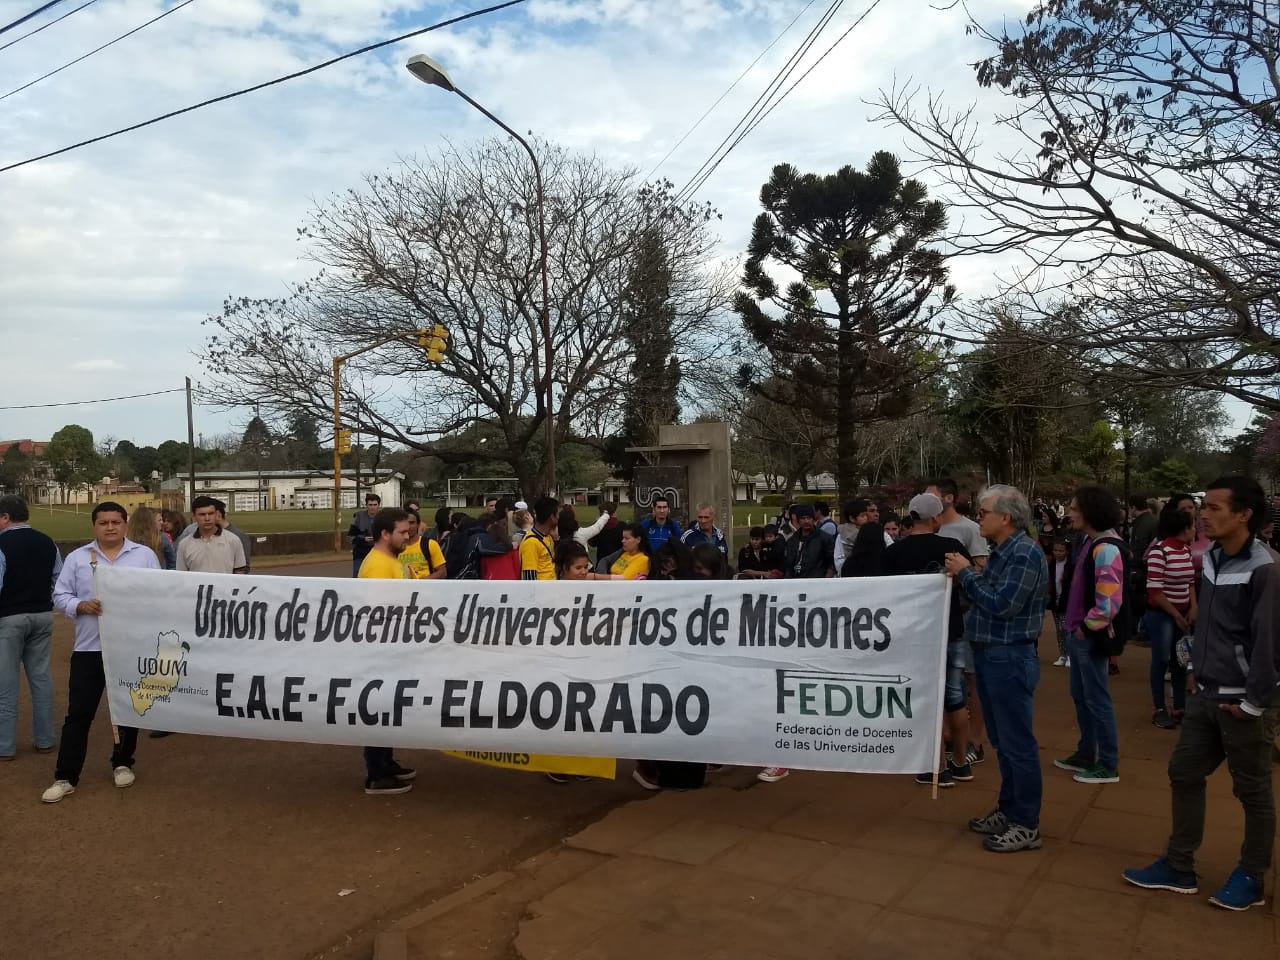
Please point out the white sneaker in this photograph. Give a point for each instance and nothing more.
(772, 774)
(1068, 663)
(60, 789)
(123, 777)
(1060, 662)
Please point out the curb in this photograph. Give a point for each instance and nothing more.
(393, 943)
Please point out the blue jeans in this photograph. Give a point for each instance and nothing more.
(1163, 633)
(1095, 713)
(26, 640)
(1006, 678)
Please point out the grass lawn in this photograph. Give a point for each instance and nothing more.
(72, 522)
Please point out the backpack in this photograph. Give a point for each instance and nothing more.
(462, 558)
(1125, 621)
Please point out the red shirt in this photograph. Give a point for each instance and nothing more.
(1171, 571)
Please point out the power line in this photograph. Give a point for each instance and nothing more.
(291, 76)
(80, 403)
(695, 182)
(88, 3)
(86, 56)
(839, 40)
(729, 90)
(692, 187)
(34, 13)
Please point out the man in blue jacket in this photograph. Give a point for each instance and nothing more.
(660, 527)
(1233, 699)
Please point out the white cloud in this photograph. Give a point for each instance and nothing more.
(96, 364)
(121, 248)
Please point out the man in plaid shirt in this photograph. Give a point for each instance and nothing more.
(1004, 622)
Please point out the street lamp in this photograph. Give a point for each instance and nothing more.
(432, 73)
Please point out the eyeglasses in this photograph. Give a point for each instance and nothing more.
(983, 514)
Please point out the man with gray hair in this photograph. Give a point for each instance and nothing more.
(1004, 622)
(706, 531)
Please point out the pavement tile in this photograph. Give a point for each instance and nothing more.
(1057, 945)
(831, 822)
(1123, 831)
(558, 936)
(903, 936)
(755, 808)
(961, 892)
(774, 857)
(1111, 915)
(617, 887)
(955, 805)
(1097, 868)
(638, 937)
(624, 827)
(1173, 921)
(917, 838)
(692, 841)
(866, 875)
(968, 851)
(1059, 820)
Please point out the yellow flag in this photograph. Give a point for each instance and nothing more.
(606, 768)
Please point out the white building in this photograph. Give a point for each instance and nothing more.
(244, 490)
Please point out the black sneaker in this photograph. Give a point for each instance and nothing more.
(1013, 839)
(1162, 720)
(975, 753)
(945, 779)
(386, 787)
(963, 773)
(403, 774)
(1076, 763)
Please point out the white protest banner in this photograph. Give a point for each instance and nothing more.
(817, 674)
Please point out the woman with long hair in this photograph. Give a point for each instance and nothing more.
(573, 562)
(144, 528)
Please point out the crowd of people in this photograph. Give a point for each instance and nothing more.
(1194, 580)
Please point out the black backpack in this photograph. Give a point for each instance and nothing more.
(1125, 622)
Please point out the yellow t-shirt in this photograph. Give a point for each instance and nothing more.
(537, 557)
(415, 561)
(378, 566)
(635, 565)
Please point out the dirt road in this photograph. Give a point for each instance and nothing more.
(240, 848)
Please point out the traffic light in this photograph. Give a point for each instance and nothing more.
(435, 341)
(343, 443)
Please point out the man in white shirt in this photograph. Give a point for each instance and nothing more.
(209, 549)
(961, 528)
(74, 596)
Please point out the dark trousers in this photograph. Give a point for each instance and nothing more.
(1163, 634)
(378, 762)
(1210, 735)
(84, 691)
(1006, 677)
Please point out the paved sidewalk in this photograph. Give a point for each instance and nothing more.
(845, 866)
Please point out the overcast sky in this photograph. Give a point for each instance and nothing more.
(111, 256)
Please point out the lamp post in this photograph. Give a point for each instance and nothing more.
(432, 73)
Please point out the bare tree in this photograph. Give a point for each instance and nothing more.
(453, 240)
(1141, 184)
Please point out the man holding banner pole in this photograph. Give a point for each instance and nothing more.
(76, 596)
(1007, 615)
(390, 533)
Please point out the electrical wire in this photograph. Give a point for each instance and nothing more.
(239, 93)
(34, 13)
(729, 90)
(86, 56)
(80, 403)
(776, 83)
(87, 3)
(839, 40)
(693, 187)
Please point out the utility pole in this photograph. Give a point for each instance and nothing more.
(191, 450)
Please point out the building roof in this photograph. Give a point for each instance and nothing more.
(284, 474)
(32, 447)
